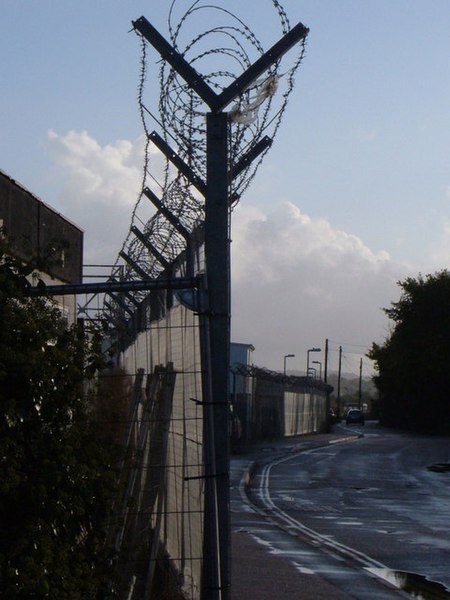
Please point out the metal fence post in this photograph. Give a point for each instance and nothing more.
(217, 252)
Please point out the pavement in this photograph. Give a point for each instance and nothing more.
(256, 572)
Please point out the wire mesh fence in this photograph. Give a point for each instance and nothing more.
(269, 405)
(159, 518)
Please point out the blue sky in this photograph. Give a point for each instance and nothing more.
(353, 196)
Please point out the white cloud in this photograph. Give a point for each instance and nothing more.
(298, 281)
(295, 280)
(99, 188)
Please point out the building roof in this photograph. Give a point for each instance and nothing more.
(27, 191)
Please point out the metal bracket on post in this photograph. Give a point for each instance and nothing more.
(122, 304)
(217, 102)
(126, 294)
(175, 222)
(108, 287)
(292, 37)
(178, 162)
(153, 250)
(133, 264)
(249, 156)
(166, 213)
(175, 60)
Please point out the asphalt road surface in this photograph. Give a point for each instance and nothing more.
(370, 516)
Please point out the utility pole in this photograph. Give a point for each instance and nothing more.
(325, 379)
(338, 400)
(219, 173)
(325, 368)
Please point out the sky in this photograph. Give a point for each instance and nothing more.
(352, 197)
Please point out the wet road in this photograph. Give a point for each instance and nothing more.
(364, 515)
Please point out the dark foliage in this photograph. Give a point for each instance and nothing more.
(56, 475)
(413, 364)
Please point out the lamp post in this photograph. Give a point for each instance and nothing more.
(360, 383)
(307, 357)
(284, 360)
(317, 362)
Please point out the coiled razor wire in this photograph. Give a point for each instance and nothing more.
(220, 54)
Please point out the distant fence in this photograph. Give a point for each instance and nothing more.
(267, 405)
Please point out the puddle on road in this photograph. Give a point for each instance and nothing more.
(416, 585)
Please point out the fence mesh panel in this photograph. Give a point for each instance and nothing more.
(162, 509)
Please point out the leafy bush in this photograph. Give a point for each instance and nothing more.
(413, 363)
(57, 476)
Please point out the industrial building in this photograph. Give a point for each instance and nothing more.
(34, 231)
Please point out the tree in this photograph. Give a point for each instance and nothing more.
(56, 462)
(413, 364)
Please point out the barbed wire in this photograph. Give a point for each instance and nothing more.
(294, 381)
(220, 54)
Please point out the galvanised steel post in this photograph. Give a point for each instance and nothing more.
(217, 253)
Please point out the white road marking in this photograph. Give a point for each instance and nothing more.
(316, 538)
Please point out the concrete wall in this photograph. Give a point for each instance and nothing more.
(174, 339)
(275, 406)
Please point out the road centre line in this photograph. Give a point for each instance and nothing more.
(318, 539)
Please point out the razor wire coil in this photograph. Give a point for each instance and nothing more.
(219, 54)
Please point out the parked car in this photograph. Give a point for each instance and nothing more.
(354, 415)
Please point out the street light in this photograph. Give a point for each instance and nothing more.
(307, 357)
(284, 358)
(317, 362)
